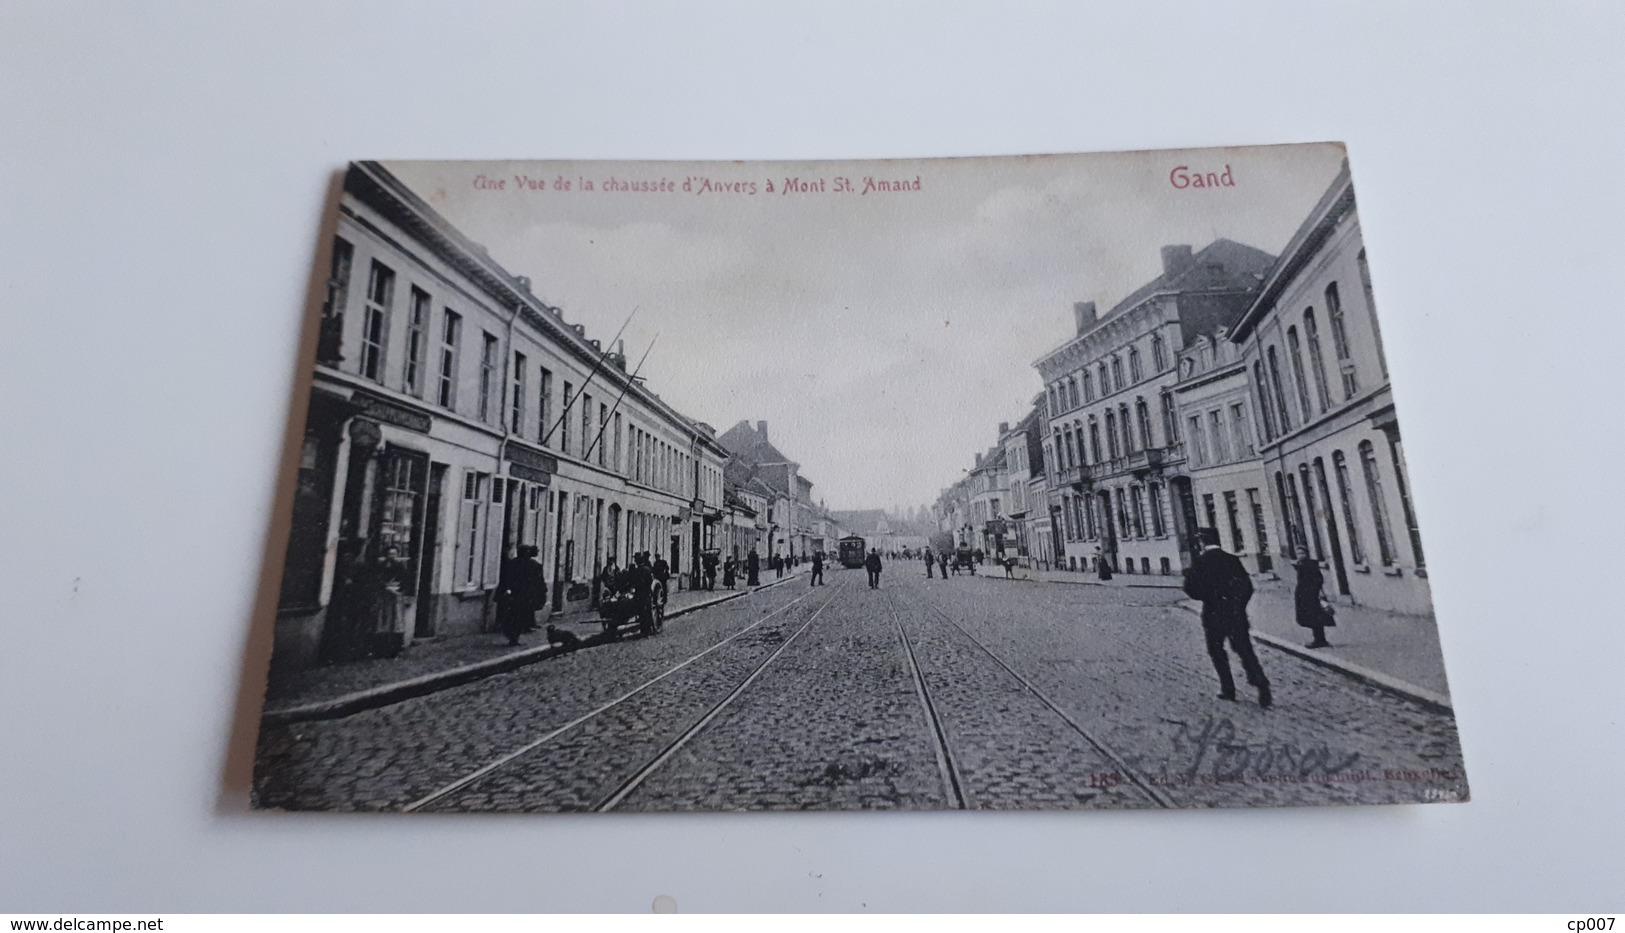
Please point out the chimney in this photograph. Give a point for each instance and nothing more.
(1084, 312)
(1004, 428)
(761, 429)
(1175, 259)
(524, 282)
(978, 459)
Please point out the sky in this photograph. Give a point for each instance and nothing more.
(883, 335)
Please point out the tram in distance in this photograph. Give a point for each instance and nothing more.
(853, 550)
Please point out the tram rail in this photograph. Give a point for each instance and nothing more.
(1140, 782)
(610, 801)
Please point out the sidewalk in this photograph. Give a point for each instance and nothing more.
(1080, 578)
(334, 690)
(1389, 650)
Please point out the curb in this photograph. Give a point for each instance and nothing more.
(1436, 702)
(390, 694)
(1130, 586)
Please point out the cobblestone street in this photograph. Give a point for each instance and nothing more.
(924, 694)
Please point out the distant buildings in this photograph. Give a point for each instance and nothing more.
(1117, 456)
(1027, 508)
(1235, 390)
(757, 467)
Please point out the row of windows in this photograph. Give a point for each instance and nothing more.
(593, 530)
(594, 435)
(1234, 521)
(1142, 512)
(1312, 521)
(1126, 431)
(1311, 394)
(1132, 511)
(1219, 436)
(1080, 389)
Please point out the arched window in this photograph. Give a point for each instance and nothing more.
(1170, 424)
(1105, 382)
(1077, 429)
(1117, 373)
(1379, 504)
(1142, 412)
(1052, 405)
(1128, 428)
(1094, 439)
(1312, 512)
(1265, 410)
(1088, 387)
(1345, 493)
(1135, 375)
(1340, 342)
(1072, 391)
(1371, 310)
(1298, 380)
(1111, 436)
(1071, 452)
(1159, 353)
(1278, 395)
(1317, 364)
(1292, 536)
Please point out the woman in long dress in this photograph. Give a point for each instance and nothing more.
(1306, 596)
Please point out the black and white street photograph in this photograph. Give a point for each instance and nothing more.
(1016, 483)
(1040, 457)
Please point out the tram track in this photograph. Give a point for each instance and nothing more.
(947, 764)
(1129, 774)
(449, 790)
(636, 780)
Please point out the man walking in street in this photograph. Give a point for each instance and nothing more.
(753, 569)
(521, 590)
(818, 569)
(640, 580)
(929, 558)
(942, 565)
(1219, 581)
(872, 564)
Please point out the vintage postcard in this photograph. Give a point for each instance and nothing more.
(1050, 482)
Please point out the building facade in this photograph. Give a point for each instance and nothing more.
(952, 514)
(453, 417)
(1329, 439)
(755, 463)
(989, 530)
(1117, 456)
(1218, 422)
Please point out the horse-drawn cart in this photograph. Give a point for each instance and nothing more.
(623, 608)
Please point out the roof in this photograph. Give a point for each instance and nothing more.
(746, 443)
(1311, 234)
(994, 459)
(1223, 265)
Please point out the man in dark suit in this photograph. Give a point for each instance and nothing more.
(818, 568)
(872, 564)
(1219, 581)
